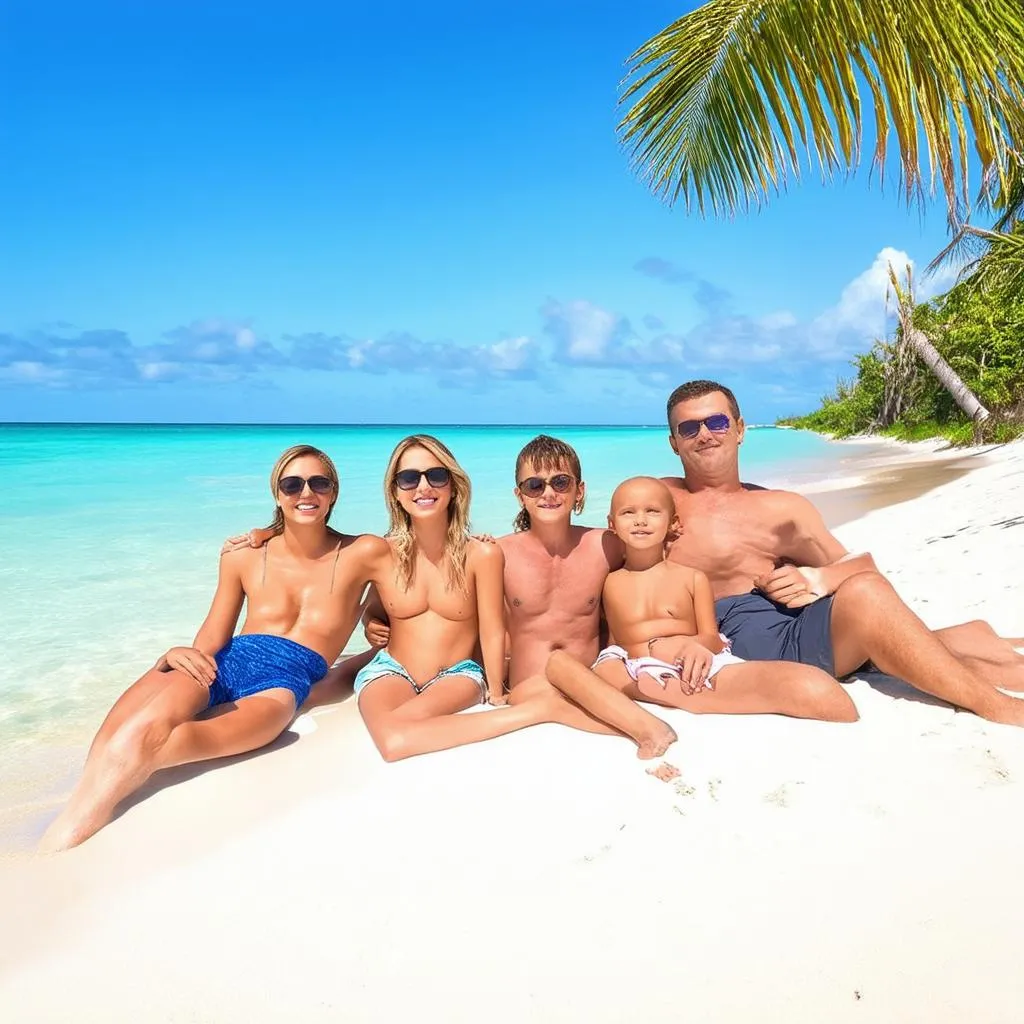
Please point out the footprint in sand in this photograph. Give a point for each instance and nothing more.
(781, 796)
(998, 772)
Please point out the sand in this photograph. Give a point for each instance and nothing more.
(794, 872)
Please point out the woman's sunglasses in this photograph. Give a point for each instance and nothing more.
(717, 424)
(409, 479)
(292, 485)
(533, 486)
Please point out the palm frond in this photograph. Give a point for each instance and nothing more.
(1001, 269)
(728, 103)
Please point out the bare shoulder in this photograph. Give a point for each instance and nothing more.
(240, 559)
(365, 547)
(684, 575)
(512, 541)
(783, 504)
(481, 554)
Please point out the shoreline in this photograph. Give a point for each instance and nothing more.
(807, 871)
(874, 476)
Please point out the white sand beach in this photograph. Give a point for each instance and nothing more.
(795, 872)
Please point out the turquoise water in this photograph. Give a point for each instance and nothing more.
(109, 535)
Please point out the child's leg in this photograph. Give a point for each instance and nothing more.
(604, 699)
(757, 688)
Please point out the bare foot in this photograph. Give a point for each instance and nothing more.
(656, 742)
(60, 836)
(665, 772)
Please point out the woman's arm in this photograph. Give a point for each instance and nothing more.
(490, 609)
(376, 623)
(217, 628)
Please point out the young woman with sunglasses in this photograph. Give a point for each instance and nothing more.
(554, 572)
(301, 592)
(442, 593)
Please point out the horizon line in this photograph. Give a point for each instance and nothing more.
(198, 423)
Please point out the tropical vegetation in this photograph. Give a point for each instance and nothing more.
(733, 100)
(979, 334)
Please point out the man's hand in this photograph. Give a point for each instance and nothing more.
(377, 633)
(201, 667)
(253, 539)
(792, 585)
(693, 660)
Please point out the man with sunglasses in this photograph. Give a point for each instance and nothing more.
(786, 588)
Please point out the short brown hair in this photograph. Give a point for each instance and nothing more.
(546, 452)
(698, 389)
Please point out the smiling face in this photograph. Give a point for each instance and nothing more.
(550, 493)
(425, 499)
(707, 450)
(642, 513)
(310, 504)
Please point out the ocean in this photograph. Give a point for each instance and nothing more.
(110, 535)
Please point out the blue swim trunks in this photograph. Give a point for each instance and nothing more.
(253, 662)
(384, 665)
(761, 630)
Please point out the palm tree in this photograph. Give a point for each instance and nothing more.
(915, 339)
(726, 102)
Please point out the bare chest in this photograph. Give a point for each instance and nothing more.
(567, 588)
(725, 540)
(428, 592)
(285, 595)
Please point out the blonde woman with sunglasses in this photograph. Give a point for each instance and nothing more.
(443, 594)
(301, 591)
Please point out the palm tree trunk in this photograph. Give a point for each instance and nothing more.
(948, 377)
(928, 354)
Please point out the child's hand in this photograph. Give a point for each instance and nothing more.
(694, 663)
(377, 633)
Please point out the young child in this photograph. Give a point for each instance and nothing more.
(661, 614)
(667, 649)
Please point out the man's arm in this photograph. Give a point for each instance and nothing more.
(821, 563)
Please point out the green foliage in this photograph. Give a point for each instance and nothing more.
(981, 335)
(728, 103)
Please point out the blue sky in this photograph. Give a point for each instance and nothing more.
(324, 212)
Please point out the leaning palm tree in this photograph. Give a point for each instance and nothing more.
(733, 99)
(914, 338)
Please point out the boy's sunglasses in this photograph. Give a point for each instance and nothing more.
(533, 486)
(717, 424)
(292, 485)
(409, 479)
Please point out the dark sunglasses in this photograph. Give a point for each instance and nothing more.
(409, 479)
(717, 424)
(533, 486)
(292, 485)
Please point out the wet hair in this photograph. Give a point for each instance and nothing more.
(400, 529)
(698, 389)
(298, 451)
(546, 452)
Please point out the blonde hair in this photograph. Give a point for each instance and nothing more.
(298, 451)
(400, 529)
(546, 452)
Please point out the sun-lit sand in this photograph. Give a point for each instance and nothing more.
(793, 872)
